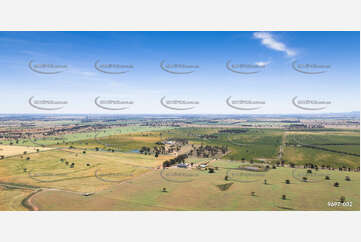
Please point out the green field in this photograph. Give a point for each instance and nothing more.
(334, 142)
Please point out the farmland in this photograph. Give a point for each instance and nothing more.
(202, 193)
(110, 167)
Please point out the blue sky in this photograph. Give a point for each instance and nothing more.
(210, 85)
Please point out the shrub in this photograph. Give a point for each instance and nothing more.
(283, 197)
(265, 182)
(164, 189)
(327, 177)
(309, 171)
(288, 181)
(253, 194)
(342, 199)
(304, 179)
(226, 178)
(348, 178)
(224, 187)
(336, 184)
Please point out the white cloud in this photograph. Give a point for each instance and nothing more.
(268, 40)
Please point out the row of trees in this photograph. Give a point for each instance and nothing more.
(208, 151)
(177, 160)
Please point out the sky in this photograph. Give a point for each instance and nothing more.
(213, 60)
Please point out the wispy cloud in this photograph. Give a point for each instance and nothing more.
(268, 40)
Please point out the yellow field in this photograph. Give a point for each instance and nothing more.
(10, 150)
(92, 172)
(144, 193)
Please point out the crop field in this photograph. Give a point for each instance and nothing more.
(336, 149)
(104, 170)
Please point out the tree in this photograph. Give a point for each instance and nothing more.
(327, 177)
(226, 178)
(304, 179)
(253, 194)
(348, 178)
(164, 189)
(336, 184)
(288, 181)
(265, 182)
(342, 199)
(283, 197)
